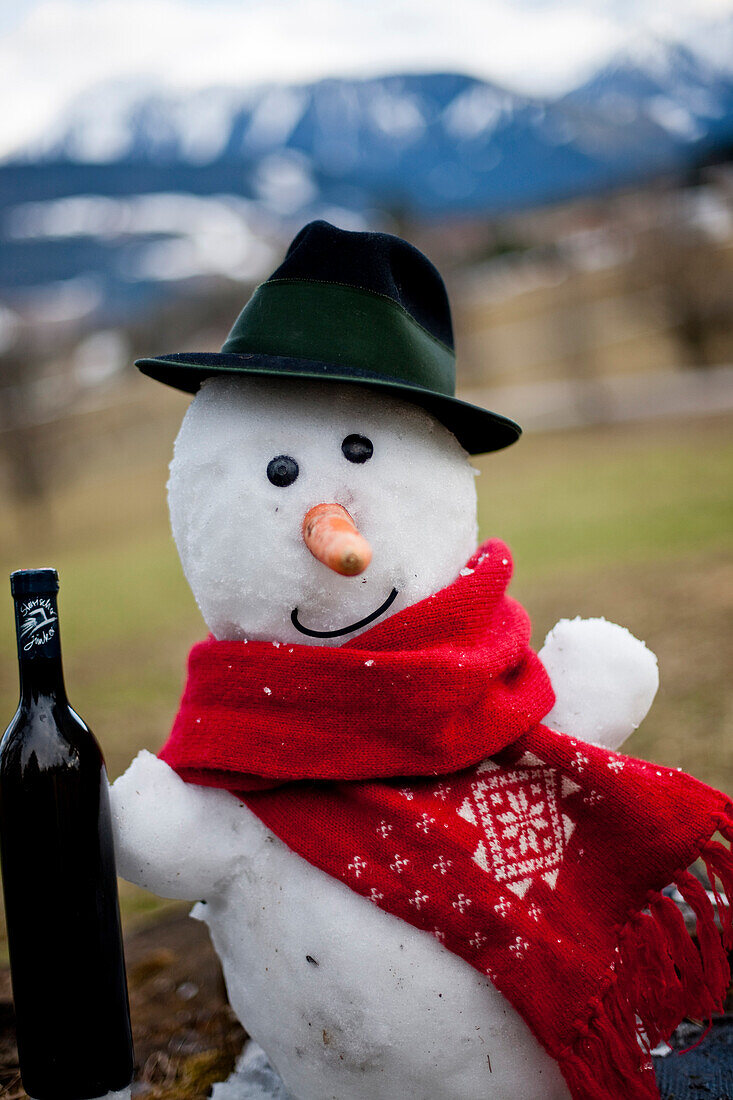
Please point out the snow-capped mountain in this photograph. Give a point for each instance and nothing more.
(678, 95)
(432, 143)
(437, 144)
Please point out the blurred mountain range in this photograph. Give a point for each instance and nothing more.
(136, 188)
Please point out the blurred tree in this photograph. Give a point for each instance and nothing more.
(25, 453)
(41, 384)
(683, 254)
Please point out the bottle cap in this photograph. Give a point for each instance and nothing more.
(34, 582)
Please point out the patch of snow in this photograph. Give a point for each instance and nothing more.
(673, 117)
(202, 122)
(284, 182)
(652, 53)
(275, 117)
(78, 215)
(100, 356)
(708, 211)
(253, 1078)
(203, 235)
(114, 119)
(399, 116)
(712, 42)
(595, 249)
(63, 301)
(478, 110)
(98, 128)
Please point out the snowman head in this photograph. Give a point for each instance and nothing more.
(254, 455)
(335, 388)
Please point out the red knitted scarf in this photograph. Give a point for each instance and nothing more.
(440, 797)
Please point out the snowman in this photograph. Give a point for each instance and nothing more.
(323, 505)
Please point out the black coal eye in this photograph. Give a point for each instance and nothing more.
(282, 470)
(357, 448)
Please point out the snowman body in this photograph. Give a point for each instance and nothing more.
(347, 1001)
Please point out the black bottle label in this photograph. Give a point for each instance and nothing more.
(38, 632)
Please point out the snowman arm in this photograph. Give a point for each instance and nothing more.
(174, 838)
(603, 677)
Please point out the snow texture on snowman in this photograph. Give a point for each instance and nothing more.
(386, 837)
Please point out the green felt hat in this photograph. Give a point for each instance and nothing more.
(366, 309)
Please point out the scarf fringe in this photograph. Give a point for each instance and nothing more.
(660, 976)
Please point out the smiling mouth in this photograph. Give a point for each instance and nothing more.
(345, 629)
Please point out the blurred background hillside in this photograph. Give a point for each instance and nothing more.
(157, 159)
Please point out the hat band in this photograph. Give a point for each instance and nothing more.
(335, 323)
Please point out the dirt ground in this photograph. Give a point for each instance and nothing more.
(185, 1034)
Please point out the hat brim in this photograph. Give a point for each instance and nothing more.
(477, 430)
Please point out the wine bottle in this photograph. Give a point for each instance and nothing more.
(59, 881)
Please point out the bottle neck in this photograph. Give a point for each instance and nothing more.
(39, 648)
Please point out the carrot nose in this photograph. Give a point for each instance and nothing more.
(332, 536)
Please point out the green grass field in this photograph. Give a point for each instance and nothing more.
(633, 523)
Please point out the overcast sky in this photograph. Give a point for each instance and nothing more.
(53, 50)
